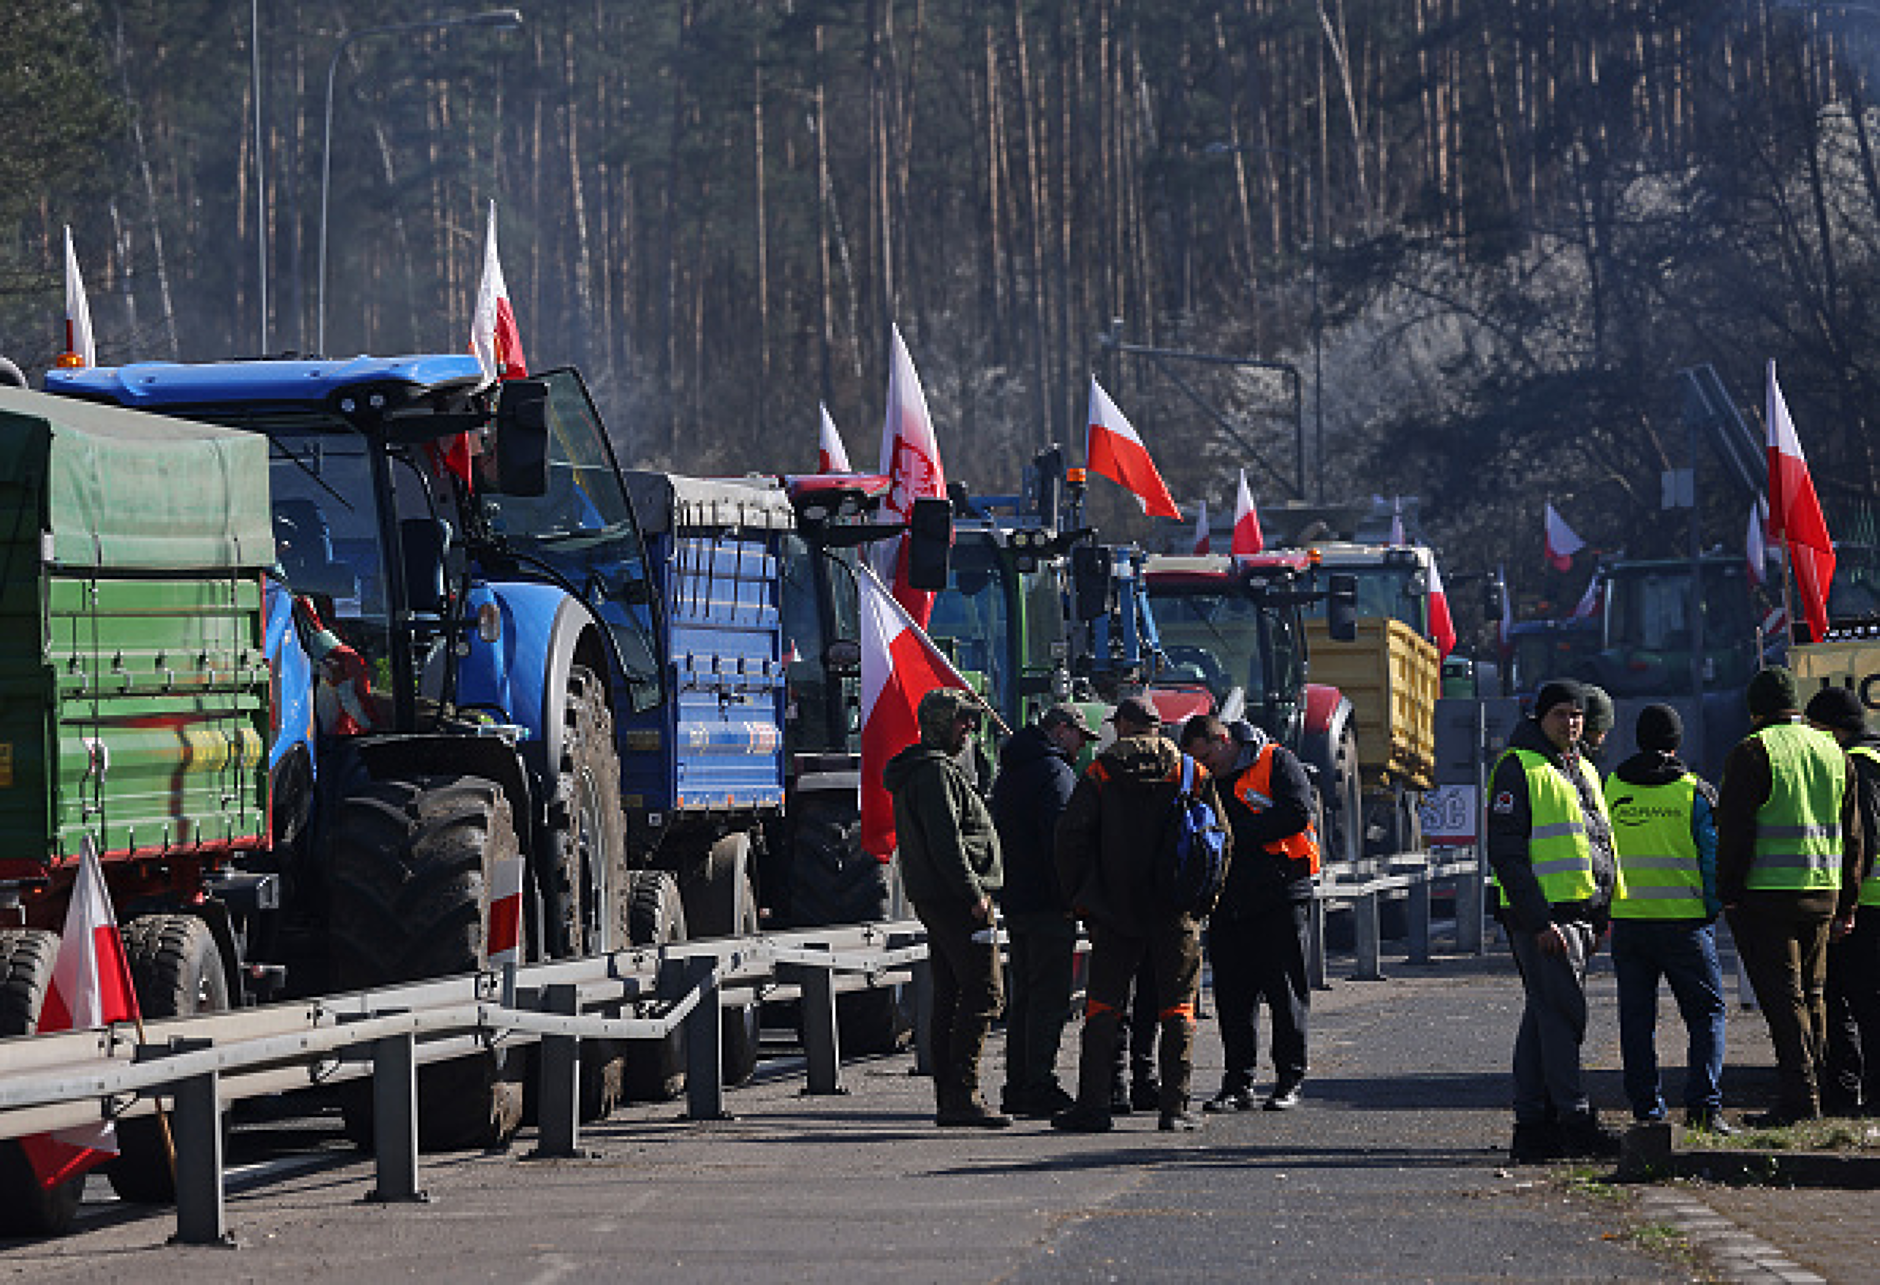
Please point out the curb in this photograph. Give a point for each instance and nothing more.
(1735, 1253)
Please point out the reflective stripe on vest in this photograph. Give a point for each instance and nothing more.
(1659, 875)
(1798, 827)
(1254, 788)
(1870, 886)
(1558, 849)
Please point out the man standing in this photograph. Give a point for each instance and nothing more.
(1664, 919)
(1257, 935)
(1551, 848)
(1037, 770)
(1789, 853)
(950, 866)
(1600, 719)
(1853, 1083)
(1108, 841)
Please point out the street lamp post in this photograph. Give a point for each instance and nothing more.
(505, 19)
(1318, 317)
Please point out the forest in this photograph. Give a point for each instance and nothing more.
(1456, 250)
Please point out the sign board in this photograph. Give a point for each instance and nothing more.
(1448, 814)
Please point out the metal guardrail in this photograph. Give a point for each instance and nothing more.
(199, 1065)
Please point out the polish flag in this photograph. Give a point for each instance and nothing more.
(831, 455)
(1504, 632)
(91, 988)
(1442, 624)
(910, 459)
(1114, 449)
(1795, 515)
(81, 352)
(494, 339)
(1562, 543)
(505, 936)
(900, 664)
(1756, 542)
(1247, 537)
(1202, 543)
(1589, 601)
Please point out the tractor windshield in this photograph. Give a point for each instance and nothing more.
(818, 607)
(1211, 637)
(1649, 629)
(583, 527)
(973, 614)
(1391, 592)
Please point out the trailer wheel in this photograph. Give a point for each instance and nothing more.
(177, 969)
(742, 1022)
(836, 882)
(409, 867)
(26, 1208)
(655, 1069)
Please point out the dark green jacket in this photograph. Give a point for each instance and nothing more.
(949, 850)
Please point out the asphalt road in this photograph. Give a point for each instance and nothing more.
(1391, 1169)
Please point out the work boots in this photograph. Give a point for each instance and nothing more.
(956, 1084)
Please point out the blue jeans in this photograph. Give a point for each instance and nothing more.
(1684, 953)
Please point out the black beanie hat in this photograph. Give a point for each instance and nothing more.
(1600, 715)
(1557, 691)
(1772, 691)
(1660, 728)
(1839, 708)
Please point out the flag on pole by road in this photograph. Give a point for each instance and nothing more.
(900, 664)
(1113, 448)
(1795, 515)
(495, 341)
(1247, 537)
(910, 459)
(81, 351)
(91, 988)
(1442, 624)
(831, 455)
(1588, 605)
(1202, 543)
(1562, 543)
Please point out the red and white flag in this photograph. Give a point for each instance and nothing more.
(91, 988)
(910, 459)
(1202, 543)
(505, 939)
(900, 664)
(494, 340)
(1756, 542)
(1795, 513)
(831, 455)
(1562, 543)
(1442, 624)
(1588, 605)
(1247, 536)
(81, 352)
(1504, 632)
(1114, 449)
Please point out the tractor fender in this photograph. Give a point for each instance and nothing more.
(524, 673)
(1327, 714)
(290, 679)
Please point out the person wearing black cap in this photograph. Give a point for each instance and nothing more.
(1107, 843)
(1664, 919)
(1551, 849)
(1852, 1083)
(1037, 769)
(1789, 858)
(1600, 719)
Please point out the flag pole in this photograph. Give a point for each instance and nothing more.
(908, 620)
(1788, 609)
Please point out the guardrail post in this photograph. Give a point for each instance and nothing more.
(1315, 945)
(558, 1110)
(1471, 894)
(704, 1041)
(922, 983)
(821, 1043)
(197, 1129)
(1418, 912)
(1365, 935)
(395, 1119)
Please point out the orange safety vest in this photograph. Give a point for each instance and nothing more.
(1255, 789)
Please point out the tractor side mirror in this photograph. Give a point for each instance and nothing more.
(522, 438)
(1091, 581)
(1341, 609)
(929, 543)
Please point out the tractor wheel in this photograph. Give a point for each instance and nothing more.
(1344, 798)
(177, 969)
(742, 1022)
(409, 868)
(836, 882)
(26, 1208)
(655, 1070)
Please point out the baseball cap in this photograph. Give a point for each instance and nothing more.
(1135, 709)
(1067, 716)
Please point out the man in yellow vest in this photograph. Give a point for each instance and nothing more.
(1789, 858)
(1664, 919)
(1852, 1086)
(1551, 849)
(1257, 934)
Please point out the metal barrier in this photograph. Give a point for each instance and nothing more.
(1363, 888)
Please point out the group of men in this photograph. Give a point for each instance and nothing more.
(1780, 849)
(1056, 845)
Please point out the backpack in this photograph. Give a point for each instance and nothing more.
(1191, 855)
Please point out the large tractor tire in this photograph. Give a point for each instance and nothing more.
(836, 882)
(177, 969)
(655, 1069)
(409, 873)
(742, 1022)
(1343, 837)
(721, 901)
(26, 1208)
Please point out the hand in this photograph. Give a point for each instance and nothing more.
(1841, 928)
(983, 910)
(1551, 940)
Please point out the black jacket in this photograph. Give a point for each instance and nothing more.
(1034, 783)
(1510, 817)
(947, 847)
(1259, 881)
